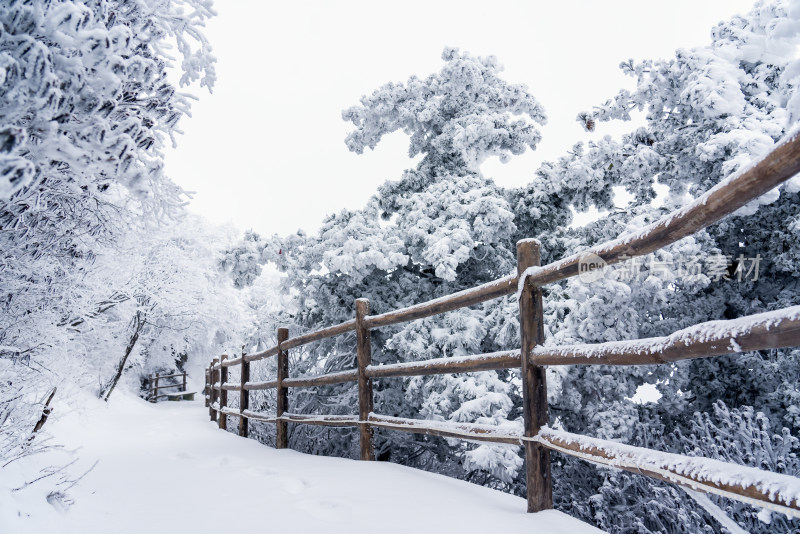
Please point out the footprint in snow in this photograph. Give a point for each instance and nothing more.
(330, 510)
(259, 472)
(293, 485)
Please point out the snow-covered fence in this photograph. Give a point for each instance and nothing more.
(777, 329)
(154, 387)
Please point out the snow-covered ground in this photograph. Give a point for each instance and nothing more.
(167, 468)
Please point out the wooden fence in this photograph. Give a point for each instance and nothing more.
(779, 329)
(154, 388)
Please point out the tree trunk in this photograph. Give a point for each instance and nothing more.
(45, 413)
(138, 324)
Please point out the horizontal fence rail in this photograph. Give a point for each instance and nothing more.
(332, 331)
(769, 330)
(261, 355)
(253, 386)
(331, 378)
(773, 491)
(462, 299)
(468, 431)
(763, 331)
(154, 387)
(509, 359)
(721, 200)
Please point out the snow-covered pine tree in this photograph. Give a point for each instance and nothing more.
(709, 111)
(442, 227)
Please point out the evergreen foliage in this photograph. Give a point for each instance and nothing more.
(704, 114)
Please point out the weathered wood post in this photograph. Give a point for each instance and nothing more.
(183, 387)
(213, 412)
(244, 396)
(534, 381)
(364, 355)
(155, 389)
(209, 382)
(222, 419)
(206, 390)
(282, 434)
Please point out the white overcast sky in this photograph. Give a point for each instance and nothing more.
(266, 150)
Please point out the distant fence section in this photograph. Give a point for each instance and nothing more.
(777, 329)
(158, 390)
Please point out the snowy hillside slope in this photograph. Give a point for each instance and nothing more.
(167, 468)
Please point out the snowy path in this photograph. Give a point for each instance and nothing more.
(166, 468)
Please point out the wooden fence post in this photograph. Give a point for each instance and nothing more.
(222, 419)
(183, 387)
(205, 387)
(244, 397)
(212, 412)
(282, 434)
(207, 391)
(364, 352)
(534, 382)
(155, 389)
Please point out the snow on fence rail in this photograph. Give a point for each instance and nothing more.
(769, 330)
(777, 329)
(153, 386)
(773, 491)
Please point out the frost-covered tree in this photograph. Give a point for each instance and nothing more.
(443, 227)
(86, 108)
(708, 112)
(455, 118)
